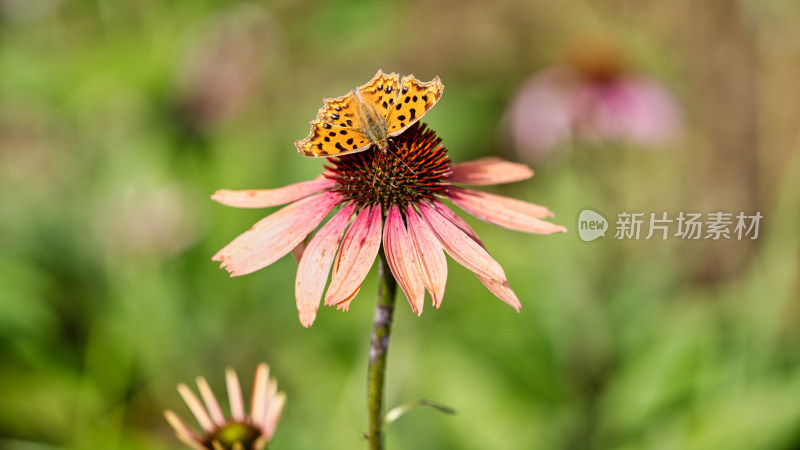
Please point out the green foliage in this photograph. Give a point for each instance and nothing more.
(117, 122)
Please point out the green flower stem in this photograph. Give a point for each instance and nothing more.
(378, 348)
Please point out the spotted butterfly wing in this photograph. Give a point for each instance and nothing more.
(331, 140)
(340, 111)
(380, 92)
(383, 107)
(415, 99)
(334, 131)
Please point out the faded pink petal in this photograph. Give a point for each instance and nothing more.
(275, 235)
(504, 211)
(457, 221)
(402, 259)
(263, 198)
(312, 273)
(359, 248)
(486, 200)
(344, 305)
(460, 246)
(502, 291)
(486, 171)
(431, 257)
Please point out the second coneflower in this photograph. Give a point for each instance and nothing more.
(395, 198)
(239, 431)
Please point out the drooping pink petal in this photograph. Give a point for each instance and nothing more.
(312, 273)
(431, 256)
(460, 246)
(344, 304)
(486, 171)
(263, 198)
(275, 235)
(359, 249)
(502, 291)
(457, 221)
(504, 211)
(488, 201)
(402, 259)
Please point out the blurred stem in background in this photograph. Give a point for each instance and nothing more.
(723, 59)
(378, 348)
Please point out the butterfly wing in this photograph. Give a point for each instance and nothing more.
(340, 111)
(381, 92)
(335, 131)
(415, 99)
(330, 140)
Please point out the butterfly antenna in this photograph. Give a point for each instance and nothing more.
(401, 161)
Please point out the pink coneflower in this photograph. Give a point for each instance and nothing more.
(396, 199)
(593, 97)
(239, 431)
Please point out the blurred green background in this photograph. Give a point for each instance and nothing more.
(118, 119)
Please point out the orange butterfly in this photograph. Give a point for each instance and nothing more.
(369, 114)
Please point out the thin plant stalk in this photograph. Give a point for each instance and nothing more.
(379, 347)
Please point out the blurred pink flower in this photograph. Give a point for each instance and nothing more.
(632, 108)
(395, 197)
(564, 101)
(241, 431)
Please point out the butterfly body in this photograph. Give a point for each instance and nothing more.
(373, 124)
(369, 115)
